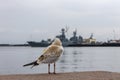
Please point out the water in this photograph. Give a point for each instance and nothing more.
(74, 59)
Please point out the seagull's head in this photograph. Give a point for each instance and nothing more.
(57, 42)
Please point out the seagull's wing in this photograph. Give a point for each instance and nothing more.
(50, 51)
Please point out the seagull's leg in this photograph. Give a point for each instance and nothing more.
(54, 68)
(48, 68)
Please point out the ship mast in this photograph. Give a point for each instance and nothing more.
(91, 36)
(114, 34)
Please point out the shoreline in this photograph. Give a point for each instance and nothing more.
(87, 75)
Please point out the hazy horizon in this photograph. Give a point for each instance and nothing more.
(24, 20)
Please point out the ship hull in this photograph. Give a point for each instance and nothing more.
(96, 45)
(37, 44)
(40, 44)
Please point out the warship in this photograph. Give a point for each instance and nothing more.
(65, 41)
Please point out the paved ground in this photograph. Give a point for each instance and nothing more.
(91, 75)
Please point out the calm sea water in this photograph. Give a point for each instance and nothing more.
(74, 59)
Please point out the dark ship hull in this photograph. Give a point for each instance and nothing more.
(96, 45)
(37, 44)
(111, 44)
(40, 44)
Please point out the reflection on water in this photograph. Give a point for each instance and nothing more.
(74, 59)
(71, 59)
(90, 58)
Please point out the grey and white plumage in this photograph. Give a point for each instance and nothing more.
(50, 55)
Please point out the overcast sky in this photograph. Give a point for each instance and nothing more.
(24, 20)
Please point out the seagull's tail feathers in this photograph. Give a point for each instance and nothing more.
(34, 63)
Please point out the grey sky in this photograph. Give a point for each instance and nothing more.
(21, 19)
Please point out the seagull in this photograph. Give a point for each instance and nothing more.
(50, 55)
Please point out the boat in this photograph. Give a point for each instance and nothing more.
(65, 41)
